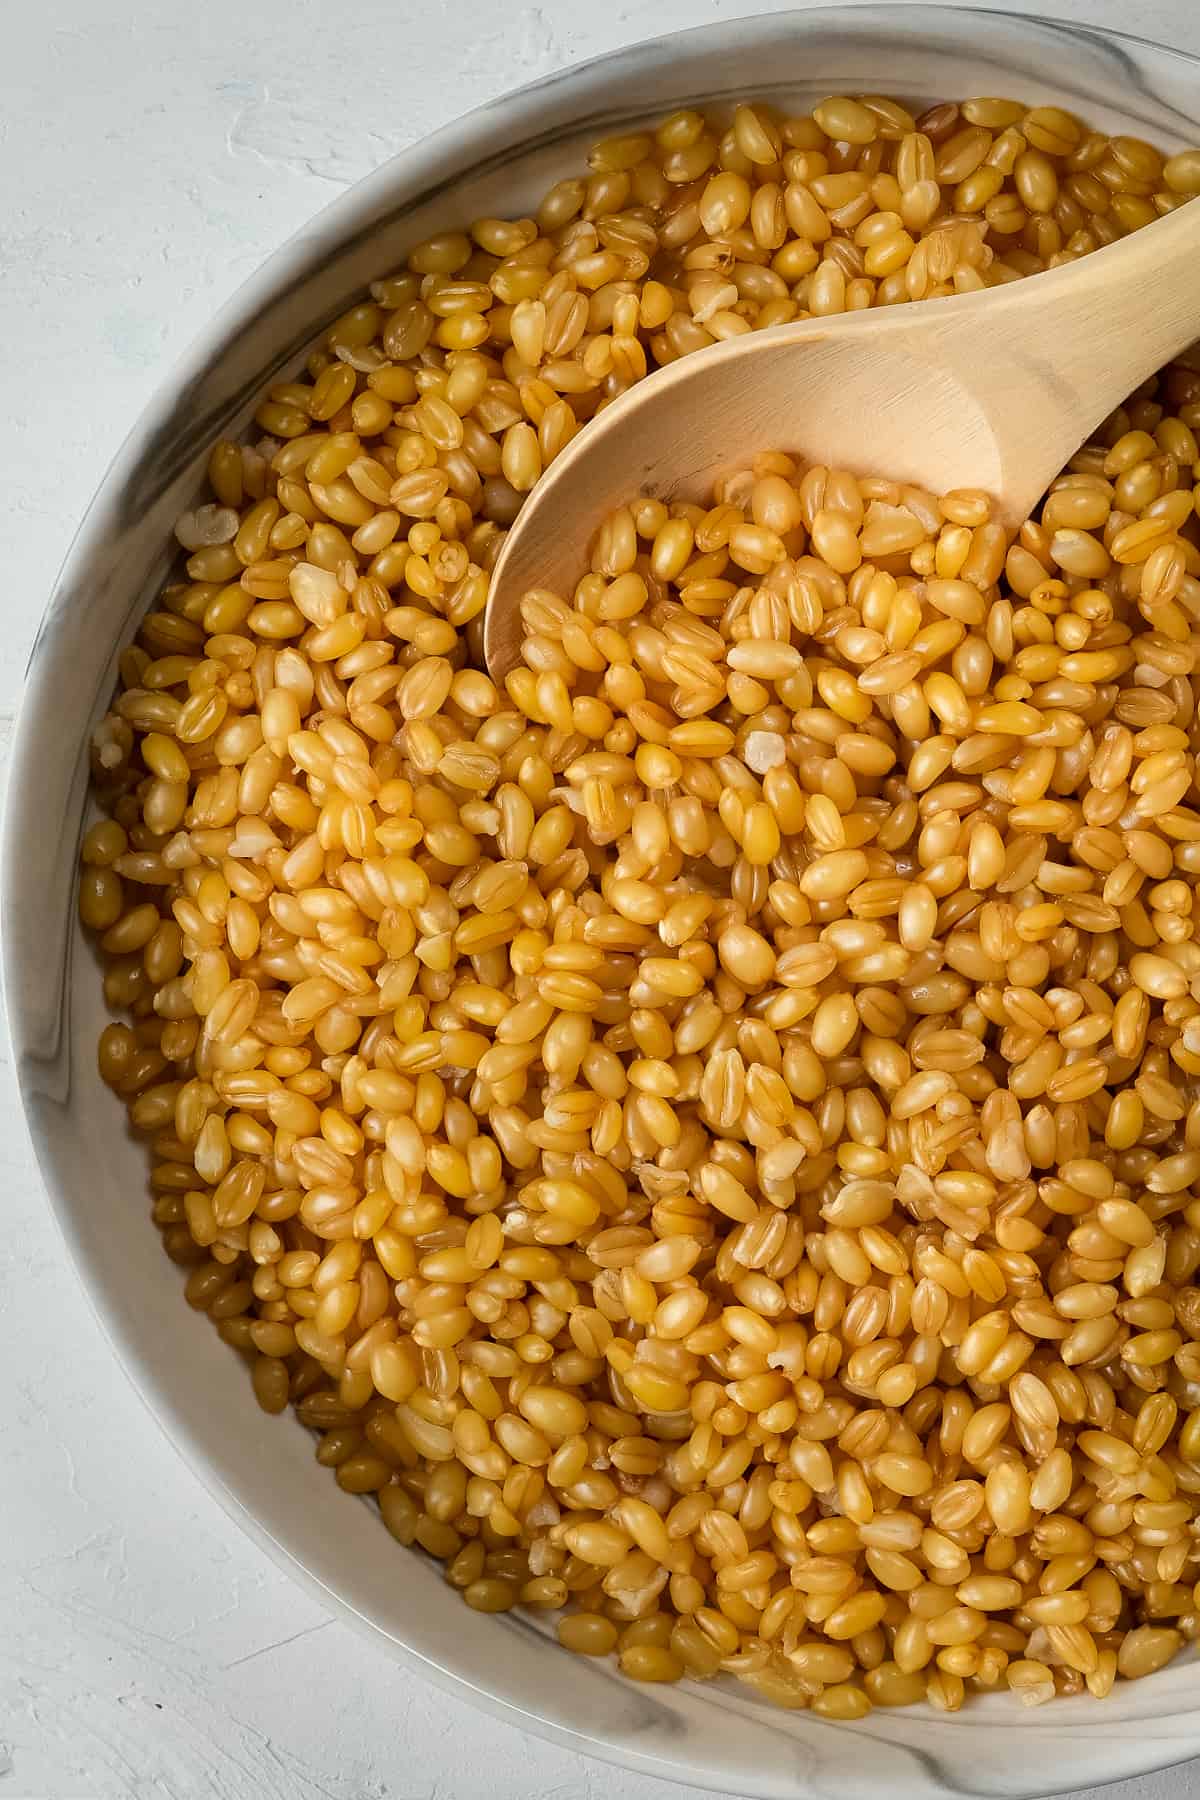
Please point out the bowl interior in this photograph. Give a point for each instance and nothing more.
(499, 161)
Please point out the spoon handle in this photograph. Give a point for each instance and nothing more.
(994, 389)
(1045, 363)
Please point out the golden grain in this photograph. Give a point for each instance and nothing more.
(705, 1130)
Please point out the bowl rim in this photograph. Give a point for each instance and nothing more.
(418, 172)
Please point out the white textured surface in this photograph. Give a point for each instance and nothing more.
(149, 159)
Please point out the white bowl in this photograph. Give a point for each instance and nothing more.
(499, 160)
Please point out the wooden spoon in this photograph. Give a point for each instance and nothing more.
(992, 390)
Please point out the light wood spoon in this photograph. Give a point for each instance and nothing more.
(992, 390)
